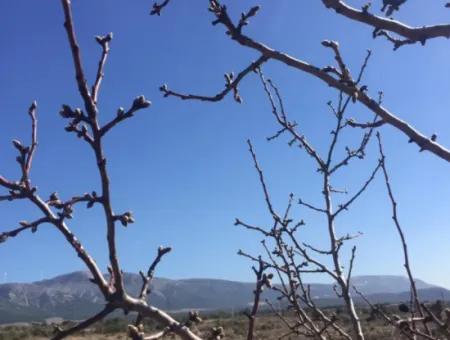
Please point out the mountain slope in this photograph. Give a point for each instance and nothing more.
(73, 296)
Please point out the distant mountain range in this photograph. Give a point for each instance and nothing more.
(73, 296)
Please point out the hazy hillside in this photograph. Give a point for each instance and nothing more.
(72, 296)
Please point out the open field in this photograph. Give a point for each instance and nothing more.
(268, 327)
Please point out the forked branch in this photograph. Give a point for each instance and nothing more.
(337, 81)
(383, 25)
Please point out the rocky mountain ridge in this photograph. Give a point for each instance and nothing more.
(73, 296)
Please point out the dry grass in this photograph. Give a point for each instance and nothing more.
(268, 327)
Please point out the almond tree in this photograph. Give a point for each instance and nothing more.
(286, 252)
(57, 212)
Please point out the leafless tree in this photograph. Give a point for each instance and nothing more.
(286, 253)
(289, 255)
(292, 258)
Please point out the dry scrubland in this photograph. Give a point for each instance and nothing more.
(269, 327)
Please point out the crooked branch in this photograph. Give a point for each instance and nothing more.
(411, 34)
(61, 334)
(232, 83)
(358, 93)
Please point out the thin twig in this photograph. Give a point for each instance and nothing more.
(399, 228)
(104, 43)
(231, 85)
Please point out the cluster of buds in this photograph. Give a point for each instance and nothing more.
(344, 73)
(66, 209)
(355, 153)
(14, 194)
(23, 150)
(76, 117)
(136, 332)
(67, 212)
(157, 8)
(67, 112)
(245, 16)
(104, 40)
(365, 8)
(23, 225)
(165, 90)
(218, 10)
(267, 280)
(140, 103)
(163, 250)
(22, 159)
(91, 199)
(194, 318)
(217, 333)
(26, 224)
(125, 219)
(120, 112)
(54, 201)
(229, 78)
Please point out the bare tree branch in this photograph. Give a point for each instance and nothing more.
(139, 103)
(263, 183)
(262, 280)
(411, 34)
(251, 227)
(104, 43)
(368, 125)
(76, 55)
(92, 112)
(148, 277)
(346, 205)
(231, 84)
(357, 93)
(157, 8)
(24, 226)
(29, 160)
(310, 206)
(415, 296)
(61, 334)
(282, 120)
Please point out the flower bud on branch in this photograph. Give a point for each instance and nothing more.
(125, 218)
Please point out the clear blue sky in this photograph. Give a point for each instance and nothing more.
(183, 167)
